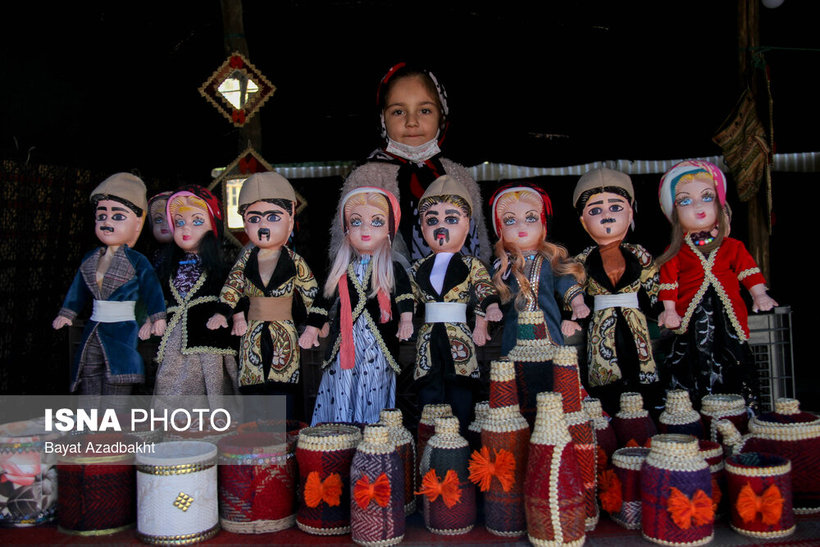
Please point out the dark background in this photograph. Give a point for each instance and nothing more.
(91, 88)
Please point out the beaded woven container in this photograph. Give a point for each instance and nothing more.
(626, 465)
(794, 435)
(98, 485)
(177, 493)
(448, 496)
(406, 449)
(426, 429)
(553, 489)
(532, 355)
(632, 423)
(498, 468)
(676, 492)
(723, 406)
(257, 482)
(679, 417)
(760, 495)
(29, 474)
(604, 433)
(324, 454)
(713, 453)
(567, 382)
(474, 429)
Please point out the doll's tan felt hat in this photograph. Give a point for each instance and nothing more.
(264, 186)
(446, 185)
(601, 178)
(124, 186)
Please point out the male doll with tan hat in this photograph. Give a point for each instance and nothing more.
(622, 281)
(279, 286)
(114, 276)
(447, 283)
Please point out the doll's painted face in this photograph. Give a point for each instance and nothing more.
(445, 226)
(367, 227)
(411, 112)
(191, 223)
(159, 222)
(267, 225)
(521, 225)
(696, 203)
(607, 217)
(115, 224)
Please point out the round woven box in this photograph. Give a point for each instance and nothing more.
(406, 449)
(723, 406)
(324, 454)
(28, 473)
(257, 482)
(98, 484)
(377, 504)
(177, 493)
(626, 465)
(679, 416)
(760, 495)
(676, 492)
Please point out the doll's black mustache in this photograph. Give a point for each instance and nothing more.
(264, 232)
(442, 235)
(608, 220)
(106, 229)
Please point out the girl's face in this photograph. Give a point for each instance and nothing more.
(696, 203)
(445, 227)
(521, 225)
(607, 217)
(267, 225)
(190, 226)
(115, 224)
(411, 112)
(367, 228)
(159, 222)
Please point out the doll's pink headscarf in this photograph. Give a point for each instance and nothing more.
(669, 181)
(395, 212)
(512, 187)
(213, 207)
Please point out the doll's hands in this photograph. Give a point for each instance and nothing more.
(761, 301)
(669, 319)
(579, 308)
(568, 328)
(240, 326)
(309, 338)
(323, 332)
(405, 326)
(217, 321)
(60, 322)
(158, 328)
(145, 331)
(493, 313)
(480, 335)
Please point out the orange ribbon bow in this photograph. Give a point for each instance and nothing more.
(685, 512)
(769, 505)
(632, 443)
(483, 469)
(448, 488)
(317, 491)
(609, 491)
(378, 490)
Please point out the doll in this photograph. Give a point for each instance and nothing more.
(162, 233)
(114, 276)
(413, 115)
(622, 279)
(192, 359)
(375, 311)
(536, 281)
(700, 274)
(447, 283)
(278, 287)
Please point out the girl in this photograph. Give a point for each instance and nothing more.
(701, 273)
(529, 272)
(413, 114)
(192, 359)
(375, 311)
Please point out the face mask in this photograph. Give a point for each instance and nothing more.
(416, 154)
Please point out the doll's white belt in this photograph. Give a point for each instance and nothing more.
(621, 300)
(113, 311)
(445, 312)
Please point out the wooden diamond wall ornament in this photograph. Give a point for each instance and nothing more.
(237, 89)
(231, 179)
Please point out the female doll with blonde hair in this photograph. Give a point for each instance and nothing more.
(701, 273)
(533, 274)
(374, 312)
